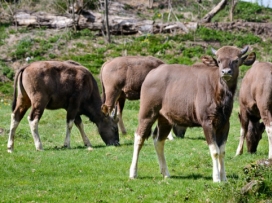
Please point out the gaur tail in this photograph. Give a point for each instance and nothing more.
(18, 76)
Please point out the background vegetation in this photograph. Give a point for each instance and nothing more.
(101, 175)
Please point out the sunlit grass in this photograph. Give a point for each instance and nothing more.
(101, 175)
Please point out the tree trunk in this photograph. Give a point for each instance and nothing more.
(107, 21)
(233, 4)
(208, 17)
(150, 3)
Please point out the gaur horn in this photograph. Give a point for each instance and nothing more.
(214, 51)
(244, 50)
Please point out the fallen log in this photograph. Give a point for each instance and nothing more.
(131, 25)
(95, 21)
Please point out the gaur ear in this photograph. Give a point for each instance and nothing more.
(105, 109)
(209, 61)
(249, 59)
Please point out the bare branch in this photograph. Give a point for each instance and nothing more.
(208, 17)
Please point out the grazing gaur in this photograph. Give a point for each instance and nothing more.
(191, 96)
(122, 79)
(255, 99)
(55, 85)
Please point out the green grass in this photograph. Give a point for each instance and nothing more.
(101, 175)
(92, 51)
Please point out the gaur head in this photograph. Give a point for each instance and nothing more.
(108, 128)
(228, 59)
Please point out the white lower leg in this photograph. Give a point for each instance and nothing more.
(159, 146)
(221, 163)
(83, 135)
(269, 134)
(34, 131)
(13, 126)
(121, 124)
(68, 133)
(138, 143)
(170, 136)
(239, 150)
(214, 150)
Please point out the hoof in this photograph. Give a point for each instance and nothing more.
(66, 147)
(10, 150)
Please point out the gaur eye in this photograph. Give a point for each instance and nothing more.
(218, 61)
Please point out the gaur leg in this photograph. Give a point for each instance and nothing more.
(79, 125)
(269, 134)
(37, 110)
(138, 143)
(216, 142)
(120, 107)
(170, 136)
(222, 136)
(159, 138)
(268, 129)
(112, 96)
(72, 111)
(179, 131)
(244, 127)
(16, 117)
(146, 120)
(267, 120)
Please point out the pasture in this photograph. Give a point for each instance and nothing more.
(101, 175)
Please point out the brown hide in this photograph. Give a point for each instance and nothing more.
(255, 101)
(55, 85)
(122, 79)
(189, 96)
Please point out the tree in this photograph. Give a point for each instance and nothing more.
(107, 21)
(208, 17)
(233, 4)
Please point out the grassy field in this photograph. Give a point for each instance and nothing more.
(101, 175)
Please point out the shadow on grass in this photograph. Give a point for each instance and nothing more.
(62, 148)
(195, 138)
(83, 147)
(191, 177)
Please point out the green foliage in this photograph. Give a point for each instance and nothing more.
(22, 49)
(6, 88)
(3, 34)
(8, 72)
(85, 33)
(61, 6)
(236, 39)
(260, 175)
(252, 12)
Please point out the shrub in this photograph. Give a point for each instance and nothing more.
(22, 48)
